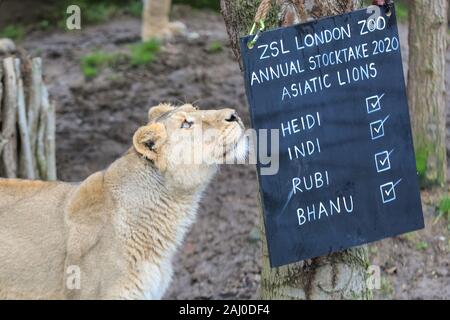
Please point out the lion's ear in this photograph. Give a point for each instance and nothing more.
(149, 139)
(157, 111)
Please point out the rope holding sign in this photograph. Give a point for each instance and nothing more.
(260, 16)
(263, 10)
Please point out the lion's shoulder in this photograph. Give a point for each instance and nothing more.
(88, 198)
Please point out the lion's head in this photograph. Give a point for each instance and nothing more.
(187, 144)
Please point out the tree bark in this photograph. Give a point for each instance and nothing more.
(340, 275)
(239, 14)
(426, 87)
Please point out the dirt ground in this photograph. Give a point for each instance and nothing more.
(220, 257)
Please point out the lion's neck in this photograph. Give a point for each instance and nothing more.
(152, 217)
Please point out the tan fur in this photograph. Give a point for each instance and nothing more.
(120, 227)
(155, 21)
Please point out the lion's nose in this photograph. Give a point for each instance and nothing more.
(232, 117)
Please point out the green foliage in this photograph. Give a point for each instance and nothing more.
(215, 47)
(92, 63)
(387, 288)
(14, 32)
(424, 149)
(444, 207)
(421, 245)
(144, 53)
(97, 12)
(92, 12)
(402, 12)
(410, 236)
(421, 164)
(44, 24)
(134, 8)
(139, 54)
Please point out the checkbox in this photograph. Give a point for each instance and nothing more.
(377, 128)
(383, 161)
(373, 103)
(388, 191)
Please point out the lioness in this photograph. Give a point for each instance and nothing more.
(119, 229)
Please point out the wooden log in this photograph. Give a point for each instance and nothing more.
(1, 87)
(34, 104)
(2, 141)
(9, 154)
(28, 117)
(26, 169)
(50, 147)
(7, 46)
(42, 125)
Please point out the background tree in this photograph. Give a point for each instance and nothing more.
(340, 275)
(426, 87)
(155, 21)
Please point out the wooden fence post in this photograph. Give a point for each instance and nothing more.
(9, 110)
(27, 121)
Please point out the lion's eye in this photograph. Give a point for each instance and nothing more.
(186, 124)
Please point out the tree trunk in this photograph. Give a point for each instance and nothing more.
(426, 87)
(239, 14)
(339, 275)
(155, 18)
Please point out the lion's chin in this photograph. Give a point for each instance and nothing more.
(240, 150)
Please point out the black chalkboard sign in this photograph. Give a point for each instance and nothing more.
(334, 91)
